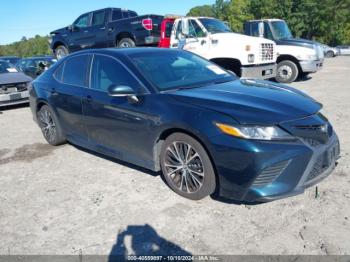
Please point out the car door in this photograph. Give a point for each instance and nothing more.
(67, 93)
(81, 36)
(99, 29)
(115, 125)
(196, 41)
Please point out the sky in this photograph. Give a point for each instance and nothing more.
(28, 18)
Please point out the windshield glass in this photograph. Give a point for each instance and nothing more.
(214, 26)
(168, 70)
(280, 30)
(6, 67)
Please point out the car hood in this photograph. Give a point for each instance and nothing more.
(252, 101)
(297, 42)
(59, 31)
(12, 78)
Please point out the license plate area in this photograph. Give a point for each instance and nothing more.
(15, 96)
(331, 155)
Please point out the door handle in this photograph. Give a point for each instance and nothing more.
(175, 45)
(86, 31)
(54, 92)
(103, 28)
(88, 99)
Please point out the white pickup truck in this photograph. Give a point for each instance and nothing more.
(246, 56)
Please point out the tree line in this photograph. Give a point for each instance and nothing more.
(327, 21)
(37, 45)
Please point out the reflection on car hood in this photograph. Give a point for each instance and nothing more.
(252, 101)
(11, 78)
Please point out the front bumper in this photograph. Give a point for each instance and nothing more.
(259, 71)
(14, 98)
(311, 66)
(258, 171)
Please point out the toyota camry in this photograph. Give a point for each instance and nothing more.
(206, 130)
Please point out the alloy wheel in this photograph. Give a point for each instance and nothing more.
(47, 125)
(184, 167)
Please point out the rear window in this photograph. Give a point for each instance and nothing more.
(75, 70)
(59, 72)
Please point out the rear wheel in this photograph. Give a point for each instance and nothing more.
(287, 71)
(61, 51)
(50, 126)
(126, 43)
(187, 167)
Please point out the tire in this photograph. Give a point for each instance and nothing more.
(126, 43)
(50, 127)
(330, 54)
(193, 180)
(287, 71)
(61, 51)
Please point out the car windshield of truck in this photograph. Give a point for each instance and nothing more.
(214, 26)
(6, 67)
(169, 70)
(280, 30)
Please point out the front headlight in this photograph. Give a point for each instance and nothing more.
(255, 132)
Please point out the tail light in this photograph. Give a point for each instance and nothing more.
(147, 24)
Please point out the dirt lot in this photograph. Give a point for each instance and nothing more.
(62, 200)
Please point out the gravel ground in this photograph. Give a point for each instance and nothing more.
(63, 200)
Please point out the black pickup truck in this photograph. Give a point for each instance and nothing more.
(109, 27)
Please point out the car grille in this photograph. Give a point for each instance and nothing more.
(269, 174)
(321, 164)
(12, 88)
(266, 52)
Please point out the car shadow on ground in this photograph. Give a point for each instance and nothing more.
(142, 240)
(12, 107)
(117, 161)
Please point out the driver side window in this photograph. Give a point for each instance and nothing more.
(194, 29)
(107, 71)
(82, 21)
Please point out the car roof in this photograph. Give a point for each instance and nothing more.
(127, 51)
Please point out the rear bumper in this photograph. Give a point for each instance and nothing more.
(311, 66)
(152, 40)
(14, 98)
(259, 71)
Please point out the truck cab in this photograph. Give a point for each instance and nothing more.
(296, 57)
(246, 56)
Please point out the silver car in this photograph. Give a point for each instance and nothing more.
(330, 51)
(13, 85)
(344, 49)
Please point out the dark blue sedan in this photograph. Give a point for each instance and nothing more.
(172, 111)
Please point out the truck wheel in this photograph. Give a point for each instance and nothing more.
(126, 43)
(187, 167)
(329, 54)
(287, 72)
(61, 51)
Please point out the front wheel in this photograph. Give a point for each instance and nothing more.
(287, 71)
(61, 51)
(330, 54)
(187, 167)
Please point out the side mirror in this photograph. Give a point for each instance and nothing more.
(123, 91)
(185, 30)
(73, 28)
(261, 29)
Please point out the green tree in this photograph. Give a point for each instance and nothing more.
(204, 10)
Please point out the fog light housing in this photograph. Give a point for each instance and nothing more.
(251, 58)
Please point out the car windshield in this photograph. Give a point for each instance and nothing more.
(214, 26)
(281, 30)
(168, 70)
(6, 67)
